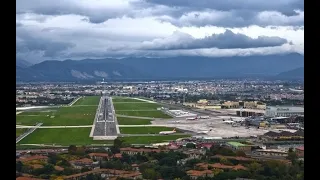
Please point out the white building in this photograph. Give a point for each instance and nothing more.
(283, 111)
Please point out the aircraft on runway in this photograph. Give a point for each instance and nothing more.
(167, 132)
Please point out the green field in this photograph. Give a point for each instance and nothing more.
(132, 121)
(88, 100)
(19, 132)
(124, 99)
(144, 130)
(136, 106)
(61, 136)
(151, 139)
(80, 136)
(37, 113)
(64, 116)
(153, 114)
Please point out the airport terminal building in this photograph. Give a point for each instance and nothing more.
(284, 111)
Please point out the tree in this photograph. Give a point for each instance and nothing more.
(19, 166)
(150, 174)
(254, 168)
(117, 143)
(190, 145)
(72, 149)
(292, 156)
(85, 169)
(241, 153)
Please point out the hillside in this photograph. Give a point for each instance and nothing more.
(297, 73)
(160, 68)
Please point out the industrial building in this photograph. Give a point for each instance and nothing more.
(249, 112)
(284, 111)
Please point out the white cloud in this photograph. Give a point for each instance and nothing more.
(127, 27)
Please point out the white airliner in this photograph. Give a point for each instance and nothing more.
(204, 132)
(228, 122)
(192, 118)
(204, 117)
(168, 132)
(237, 120)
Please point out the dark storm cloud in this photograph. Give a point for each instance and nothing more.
(237, 13)
(226, 40)
(26, 43)
(284, 6)
(236, 18)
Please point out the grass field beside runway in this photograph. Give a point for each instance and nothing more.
(136, 106)
(144, 130)
(80, 136)
(153, 114)
(19, 132)
(125, 99)
(132, 121)
(64, 116)
(88, 100)
(151, 139)
(69, 136)
(39, 112)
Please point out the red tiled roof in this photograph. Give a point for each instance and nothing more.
(37, 166)
(139, 150)
(221, 166)
(301, 148)
(99, 154)
(239, 158)
(84, 161)
(107, 171)
(118, 155)
(198, 173)
(27, 178)
(58, 168)
(35, 157)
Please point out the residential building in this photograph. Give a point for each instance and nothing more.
(236, 146)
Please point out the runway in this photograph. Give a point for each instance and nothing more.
(105, 120)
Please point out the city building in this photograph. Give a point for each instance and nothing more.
(238, 146)
(270, 152)
(300, 151)
(284, 111)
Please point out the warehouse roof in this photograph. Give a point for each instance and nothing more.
(237, 144)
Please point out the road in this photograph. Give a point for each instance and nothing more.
(28, 132)
(148, 125)
(74, 101)
(45, 127)
(137, 117)
(129, 135)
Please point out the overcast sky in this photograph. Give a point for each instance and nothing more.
(78, 29)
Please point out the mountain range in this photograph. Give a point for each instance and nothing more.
(297, 73)
(169, 68)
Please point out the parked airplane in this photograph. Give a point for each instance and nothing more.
(204, 117)
(237, 120)
(204, 132)
(228, 121)
(168, 132)
(192, 118)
